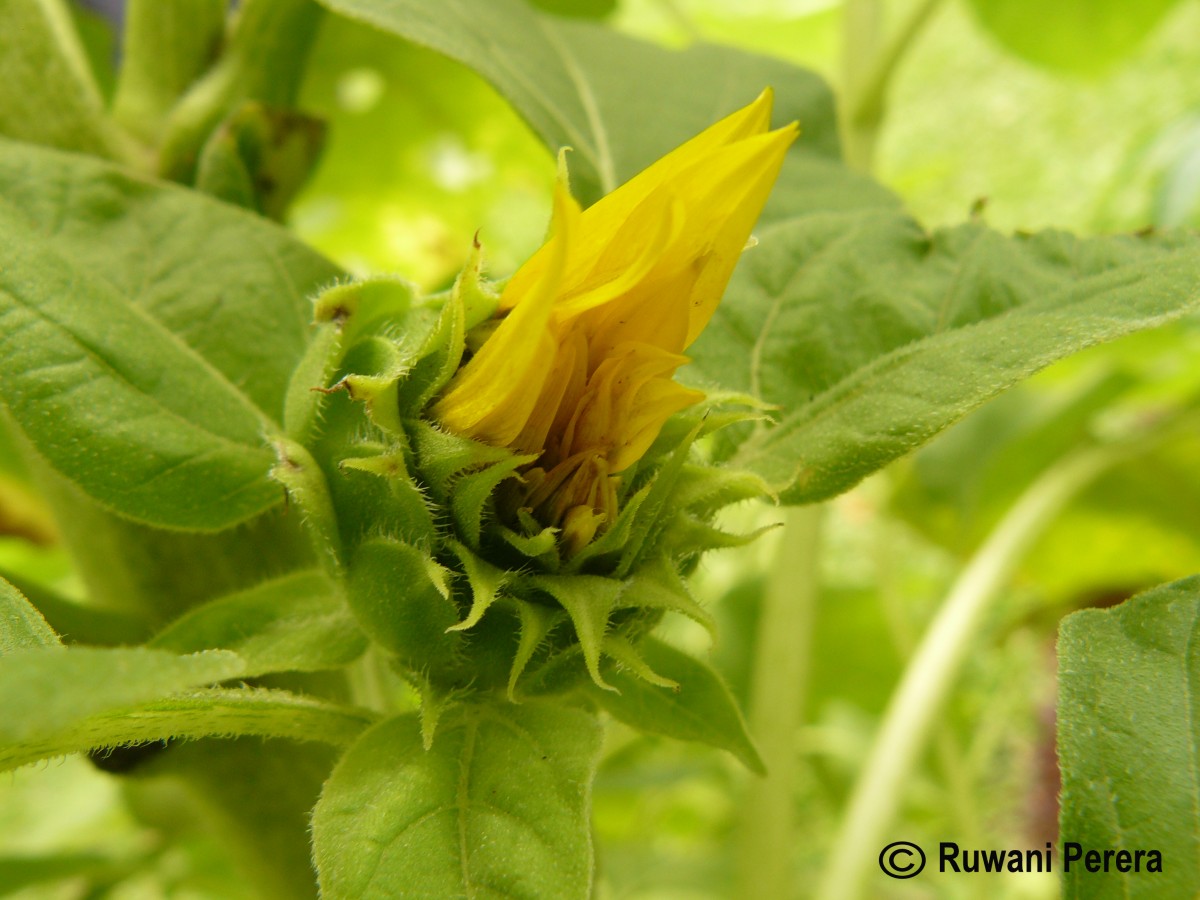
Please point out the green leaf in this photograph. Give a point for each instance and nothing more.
(198, 714)
(234, 288)
(50, 96)
(296, 623)
(589, 600)
(144, 371)
(702, 709)
(582, 85)
(45, 692)
(873, 335)
(116, 403)
(21, 625)
(75, 622)
(1078, 36)
(498, 807)
(1129, 678)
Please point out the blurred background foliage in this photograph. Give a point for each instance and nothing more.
(1064, 114)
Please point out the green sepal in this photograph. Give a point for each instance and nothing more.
(704, 490)
(441, 456)
(362, 307)
(375, 366)
(380, 394)
(541, 546)
(308, 386)
(648, 523)
(437, 360)
(701, 708)
(485, 580)
(589, 600)
(627, 656)
(436, 701)
(657, 585)
(413, 521)
(710, 415)
(537, 621)
(688, 536)
(469, 499)
(400, 597)
(305, 484)
(478, 296)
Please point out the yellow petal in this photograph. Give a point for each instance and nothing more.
(606, 216)
(602, 418)
(493, 396)
(564, 384)
(656, 402)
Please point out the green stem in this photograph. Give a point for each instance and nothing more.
(778, 689)
(868, 71)
(168, 45)
(955, 767)
(265, 61)
(862, 27)
(927, 681)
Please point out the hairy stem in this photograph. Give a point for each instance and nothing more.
(203, 713)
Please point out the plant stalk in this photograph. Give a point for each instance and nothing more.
(867, 70)
(779, 685)
(927, 681)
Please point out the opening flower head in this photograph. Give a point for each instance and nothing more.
(588, 334)
(530, 479)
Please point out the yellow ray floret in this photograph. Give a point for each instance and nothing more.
(580, 367)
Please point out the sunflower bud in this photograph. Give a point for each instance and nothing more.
(547, 506)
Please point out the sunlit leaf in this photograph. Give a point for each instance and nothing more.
(586, 87)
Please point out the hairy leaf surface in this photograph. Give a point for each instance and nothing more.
(497, 807)
(22, 627)
(295, 623)
(43, 692)
(1129, 678)
(872, 335)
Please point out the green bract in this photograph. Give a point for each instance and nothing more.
(462, 595)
